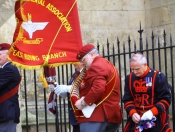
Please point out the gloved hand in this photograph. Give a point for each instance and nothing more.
(51, 86)
(60, 89)
(147, 115)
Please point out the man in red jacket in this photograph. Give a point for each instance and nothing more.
(100, 86)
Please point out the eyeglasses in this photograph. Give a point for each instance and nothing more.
(82, 59)
(135, 69)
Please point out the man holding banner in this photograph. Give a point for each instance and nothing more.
(95, 94)
(64, 91)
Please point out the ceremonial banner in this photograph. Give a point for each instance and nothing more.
(47, 33)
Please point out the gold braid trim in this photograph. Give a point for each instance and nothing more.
(110, 81)
(75, 87)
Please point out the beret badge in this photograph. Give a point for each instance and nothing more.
(79, 55)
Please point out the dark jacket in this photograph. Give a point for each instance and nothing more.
(9, 78)
(151, 90)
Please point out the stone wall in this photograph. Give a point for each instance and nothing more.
(160, 16)
(108, 19)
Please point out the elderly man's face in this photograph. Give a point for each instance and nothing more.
(87, 60)
(3, 57)
(138, 69)
(78, 66)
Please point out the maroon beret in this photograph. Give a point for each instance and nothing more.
(84, 50)
(4, 46)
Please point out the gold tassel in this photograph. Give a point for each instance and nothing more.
(43, 79)
(45, 84)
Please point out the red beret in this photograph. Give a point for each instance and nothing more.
(4, 46)
(84, 50)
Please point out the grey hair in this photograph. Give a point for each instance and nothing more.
(95, 51)
(138, 57)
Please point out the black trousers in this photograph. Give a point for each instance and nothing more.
(76, 128)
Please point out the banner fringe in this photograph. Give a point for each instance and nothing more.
(27, 67)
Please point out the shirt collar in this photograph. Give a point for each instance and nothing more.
(146, 72)
(4, 64)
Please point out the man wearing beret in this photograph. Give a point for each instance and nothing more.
(9, 84)
(99, 93)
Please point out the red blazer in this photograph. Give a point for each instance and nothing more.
(98, 74)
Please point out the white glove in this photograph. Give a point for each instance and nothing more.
(60, 89)
(51, 86)
(147, 115)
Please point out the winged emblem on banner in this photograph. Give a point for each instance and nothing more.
(31, 27)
